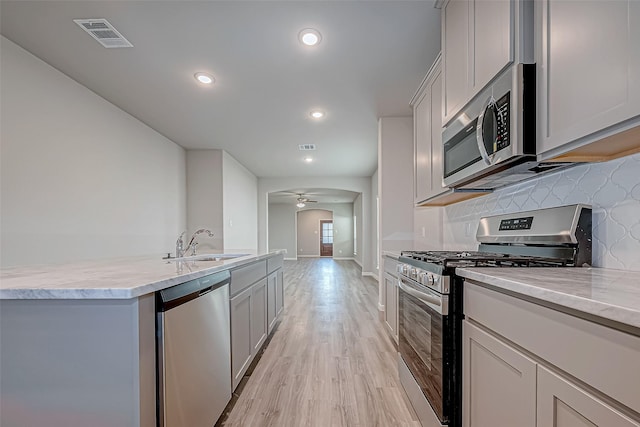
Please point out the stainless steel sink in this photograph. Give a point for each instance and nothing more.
(216, 257)
(210, 257)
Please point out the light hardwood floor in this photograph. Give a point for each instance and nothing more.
(330, 362)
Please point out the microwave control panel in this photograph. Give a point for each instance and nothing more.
(502, 137)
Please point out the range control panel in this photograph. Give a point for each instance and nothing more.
(516, 223)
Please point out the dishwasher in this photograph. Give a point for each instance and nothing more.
(193, 351)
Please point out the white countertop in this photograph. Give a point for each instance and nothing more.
(391, 254)
(605, 293)
(120, 278)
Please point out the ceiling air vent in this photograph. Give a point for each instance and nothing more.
(103, 32)
(306, 147)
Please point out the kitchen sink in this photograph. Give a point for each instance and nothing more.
(216, 257)
(210, 257)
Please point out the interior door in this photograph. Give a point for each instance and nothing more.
(326, 237)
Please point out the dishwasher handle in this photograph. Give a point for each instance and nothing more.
(177, 295)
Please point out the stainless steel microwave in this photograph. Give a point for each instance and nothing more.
(492, 142)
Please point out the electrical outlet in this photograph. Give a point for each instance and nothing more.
(424, 232)
(467, 229)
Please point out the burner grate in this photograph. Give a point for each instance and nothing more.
(484, 259)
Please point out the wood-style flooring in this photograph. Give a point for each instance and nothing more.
(330, 362)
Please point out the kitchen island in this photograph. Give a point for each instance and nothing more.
(77, 341)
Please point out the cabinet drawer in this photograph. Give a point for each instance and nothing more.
(274, 263)
(390, 265)
(246, 276)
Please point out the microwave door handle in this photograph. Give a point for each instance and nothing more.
(430, 300)
(487, 107)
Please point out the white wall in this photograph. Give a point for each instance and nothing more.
(375, 229)
(80, 178)
(395, 182)
(282, 228)
(204, 198)
(357, 245)
(612, 188)
(358, 185)
(240, 205)
(309, 231)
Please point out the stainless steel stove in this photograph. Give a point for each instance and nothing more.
(430, 297)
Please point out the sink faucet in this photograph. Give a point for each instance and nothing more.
(181, 250)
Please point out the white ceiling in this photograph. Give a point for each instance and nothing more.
(371, 60)
(320, 195)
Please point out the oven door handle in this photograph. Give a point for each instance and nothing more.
(435, 302)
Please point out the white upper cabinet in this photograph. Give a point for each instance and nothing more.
(455, 48)
(492, 28)
(427, 137)
(478, 41)
(588, 56)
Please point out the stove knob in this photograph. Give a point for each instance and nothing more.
(414, 273)
(430, 279)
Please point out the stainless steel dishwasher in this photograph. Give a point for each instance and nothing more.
(194, 348)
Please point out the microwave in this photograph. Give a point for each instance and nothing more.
(492, 141)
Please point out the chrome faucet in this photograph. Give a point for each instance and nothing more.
(181, 250)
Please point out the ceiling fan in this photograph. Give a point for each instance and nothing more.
(302, 201)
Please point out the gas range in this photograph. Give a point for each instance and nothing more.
(553, 237)
(430, 297)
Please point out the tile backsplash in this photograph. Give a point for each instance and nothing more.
(611, 188)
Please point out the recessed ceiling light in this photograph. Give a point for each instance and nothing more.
(309, 37)
(317, 114)
(204, 78)
(308, 159)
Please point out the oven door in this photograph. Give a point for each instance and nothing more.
(423, 344)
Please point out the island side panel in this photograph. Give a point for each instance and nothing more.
(77, 362)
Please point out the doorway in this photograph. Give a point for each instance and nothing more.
(326, 237)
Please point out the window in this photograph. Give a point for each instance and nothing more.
(327, 233)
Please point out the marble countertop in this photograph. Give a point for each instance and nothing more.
(391, 254)
(120, 278)
(605, 293)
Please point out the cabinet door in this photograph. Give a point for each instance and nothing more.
(455, 44)
(492, 34)
(422, 146)
(279, 293)
(564, 404)
(391, 306)
(258, 315)
(437, 150)
(499, 383)
(241, 354)
(271, 299)
(588, 67)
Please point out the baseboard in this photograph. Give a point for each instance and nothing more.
(343, 258)
(357, 262)
(368, 274)
(308, 256)
(290, 259)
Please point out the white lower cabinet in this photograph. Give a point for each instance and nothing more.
(526, 365)
(391, 305)
(499, 385)
(258, 315)
(271, 299)
(562, 403)
(241, 348)
(279, 292)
